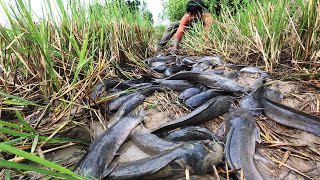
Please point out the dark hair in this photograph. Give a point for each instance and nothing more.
(195, 6)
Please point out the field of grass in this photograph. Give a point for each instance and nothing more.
(265, 32)
(51, 66)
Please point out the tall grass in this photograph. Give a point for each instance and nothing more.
(272, 32)
(61, 50)
(59, 58)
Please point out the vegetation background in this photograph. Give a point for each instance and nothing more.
(48, 68)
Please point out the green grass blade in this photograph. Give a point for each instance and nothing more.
(24, 167)
(14, 141)
(22, 134)
(7, 175)
(18, 100)
(24, 122)
(11, 125)
(39, 160)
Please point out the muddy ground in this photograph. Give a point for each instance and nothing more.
(284, 153)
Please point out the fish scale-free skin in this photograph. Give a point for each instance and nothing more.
(201, 66)
(199, 99)
(211, 80)
(163, 59)
(127, 107)
(241, 143)
(102, 151)
(198, 157)
(173, 70)
(208, 111)
(176, 85)
(189, 93)
(115, 104)
(191, 133)
(288, 116)
(152, 144)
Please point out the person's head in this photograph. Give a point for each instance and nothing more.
(195, 7)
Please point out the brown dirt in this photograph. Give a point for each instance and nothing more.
(247, 79)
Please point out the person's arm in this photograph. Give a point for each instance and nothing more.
(207, 20)
(180, 31)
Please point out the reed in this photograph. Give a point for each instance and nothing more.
(51, 62)
(261, 31)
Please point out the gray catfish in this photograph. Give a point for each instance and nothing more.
(176, 85)
(127, 107)
(208, 111)
(174, 69)
(116, 103)
(198, 157)
(122, 85)
(216, 60)
(289, 116)
(202, 65)
(241, 142)
(252, 103)
(211, 80)
(251, 69)
(192, 91)
(159, 67)
(150, 143)
(186, 61)
(104, 148)
(199, 99)
(162, 59)
(191, 133)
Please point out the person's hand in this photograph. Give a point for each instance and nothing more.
(173, 48)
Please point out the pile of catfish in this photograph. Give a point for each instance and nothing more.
(181, 144)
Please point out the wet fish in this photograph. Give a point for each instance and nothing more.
(159, 67)
(174, 69)
(289, 116)
(150, 90)
(211, 80)
(116, 103)
(192, 91)
(176, 85)
(241, 142)
(162, 59)
(230, 75)
(216, 60)
(127, 107)
(198, 157)
(251, 69)
(208, 111)
(252, 103)
(150, 143)
(104, 148)
(186, 61)
(199, 99)
(96, 91)
(191, 133)
(202, 65)
(121, 85)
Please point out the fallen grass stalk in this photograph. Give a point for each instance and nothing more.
(21, 159)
